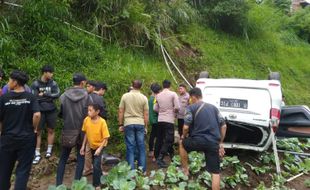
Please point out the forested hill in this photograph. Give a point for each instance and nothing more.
(240, 39)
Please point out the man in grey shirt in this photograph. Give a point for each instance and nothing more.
(167, 105)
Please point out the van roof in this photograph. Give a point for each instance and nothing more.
(231, 82)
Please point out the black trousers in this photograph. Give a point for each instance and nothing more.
(180, 126)
(153, 136)
(12, 150)
(165, 139)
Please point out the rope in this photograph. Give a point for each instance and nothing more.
(13, 4)
(80, 29)
(167, 64)
(175, 66)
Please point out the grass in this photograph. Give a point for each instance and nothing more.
(77, 52)
(233, 57)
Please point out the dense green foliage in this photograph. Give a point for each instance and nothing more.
(49, 41)
(138, 23)
(300, 22)
(226, 15)
(270, 46)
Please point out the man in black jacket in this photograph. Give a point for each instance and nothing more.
(46, 90)
(19, 119)
(97, 90)
(74, 102)
(101, 89)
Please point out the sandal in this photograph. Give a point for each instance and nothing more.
(36, 159)
(48, 155)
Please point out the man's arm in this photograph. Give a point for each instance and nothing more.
(55, 91)
(0, 127)
(82, 150)
(103, 144)
(223, 132)
(35, 120)
(146, 113)
(156, 107)
(222, 125)
(120, 116)
(185, 131)
(104, 111)
(146, 117)
(121, 119)
(188, 120)
(34, 88)
(176, 103)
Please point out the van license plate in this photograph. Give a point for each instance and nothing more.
(234, 103)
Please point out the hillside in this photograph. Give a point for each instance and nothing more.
(227, 56)
(37, 35)
(28, 42)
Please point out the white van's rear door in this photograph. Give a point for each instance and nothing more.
(248, 105)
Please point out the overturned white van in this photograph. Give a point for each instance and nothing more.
(252, 108)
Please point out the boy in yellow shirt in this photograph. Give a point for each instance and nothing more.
(97, 134)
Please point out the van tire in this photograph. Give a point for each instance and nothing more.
(274, 76)
(204, 74)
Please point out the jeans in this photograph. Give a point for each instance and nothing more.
(97, 172)
(153, 136)
(165, 139)
(65, 153)
(134, 139)
(12, 150)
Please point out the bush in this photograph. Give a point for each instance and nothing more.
(41, 17)
(264, 19)
(136, 22)
(283, 5)
(228, 16)
(300, 22)
(30, 44)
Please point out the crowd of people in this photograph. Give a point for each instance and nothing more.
(26, 111)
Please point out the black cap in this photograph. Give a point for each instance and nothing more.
(78, 77)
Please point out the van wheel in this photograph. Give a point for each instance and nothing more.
(274, 76)
(204, 74)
